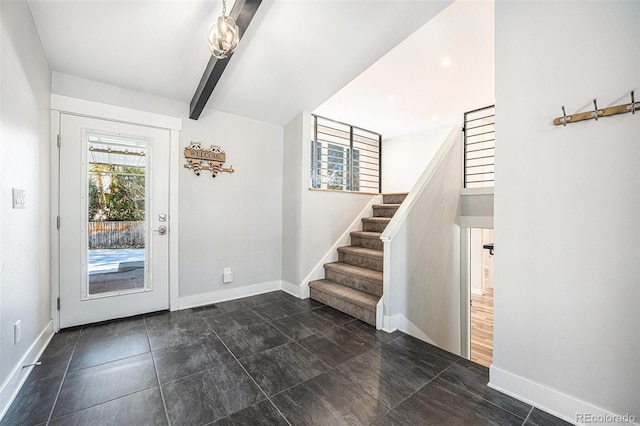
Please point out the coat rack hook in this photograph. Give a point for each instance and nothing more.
(564, 118)
(595, 114)
(633, 103)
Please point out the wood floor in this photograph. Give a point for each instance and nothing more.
(482, 328)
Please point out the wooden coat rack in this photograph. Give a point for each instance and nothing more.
(598, 113)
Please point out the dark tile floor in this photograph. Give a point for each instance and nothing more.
(270, 359)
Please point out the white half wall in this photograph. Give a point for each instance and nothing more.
(25, 125)
(422, 253)
(567, 203)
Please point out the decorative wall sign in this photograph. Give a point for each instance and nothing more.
(214, 158)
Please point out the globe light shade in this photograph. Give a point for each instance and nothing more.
(223, 37)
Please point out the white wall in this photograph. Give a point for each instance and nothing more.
(76, 87)
(24, 164)
(567, 203)
(422, 254)
(292, 200)
(228, 221)
(232, 220)
(318, 218)
(404, 158)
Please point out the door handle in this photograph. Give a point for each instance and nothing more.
(162, 230)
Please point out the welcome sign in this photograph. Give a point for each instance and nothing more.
(199, 158)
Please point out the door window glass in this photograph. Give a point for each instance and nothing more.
(116, 215)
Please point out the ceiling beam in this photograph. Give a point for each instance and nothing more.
(243, 12)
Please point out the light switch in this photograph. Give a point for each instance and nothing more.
(19, 196)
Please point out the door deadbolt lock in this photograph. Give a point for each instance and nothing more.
(162, 217)
(162, 230)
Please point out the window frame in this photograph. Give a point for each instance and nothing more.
(352, 161)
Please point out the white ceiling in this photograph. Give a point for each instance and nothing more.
(294, 56)
(409, 90)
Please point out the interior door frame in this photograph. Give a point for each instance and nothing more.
(469, 222)
(67, 105)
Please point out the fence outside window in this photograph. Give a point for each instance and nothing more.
(479, 147)
(116, 234)
(345, 157)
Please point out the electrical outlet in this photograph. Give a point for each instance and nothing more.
(17, 332)
(227, 275)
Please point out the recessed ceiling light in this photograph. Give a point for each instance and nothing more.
(446, 62)
(435, 117)
(391, 98)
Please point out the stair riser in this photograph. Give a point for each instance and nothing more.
(372, 243)
(384, 211)
(354, 282)
(393, 198)
(373, 226)
(362, 261)
(346, 307)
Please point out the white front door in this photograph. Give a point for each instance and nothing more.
(114, 222)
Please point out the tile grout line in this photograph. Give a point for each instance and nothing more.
(330, 368)
(528, 415)
(108, 362)
(291, 337)
(250, 376)
(417, 390)
(246, 326)
(292, 340)
(64, 376)
(155, 368)
(486, 400)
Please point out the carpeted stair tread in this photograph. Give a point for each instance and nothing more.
(369, 258)
(376, 219)
(375, 224)
(361, 251)
(367, 239)
(355, 271)
(385, 210)
(394, 197)
(348, 294)
(366, 234)
(386, 206)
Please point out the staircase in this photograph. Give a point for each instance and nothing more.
(353, 284)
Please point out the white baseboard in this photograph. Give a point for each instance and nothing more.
(400, 322)
(547, 399)
(380, 315)
(228, 294)
(18, 375)
(292, 289)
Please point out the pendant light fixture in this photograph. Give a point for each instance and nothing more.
(223, 35)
